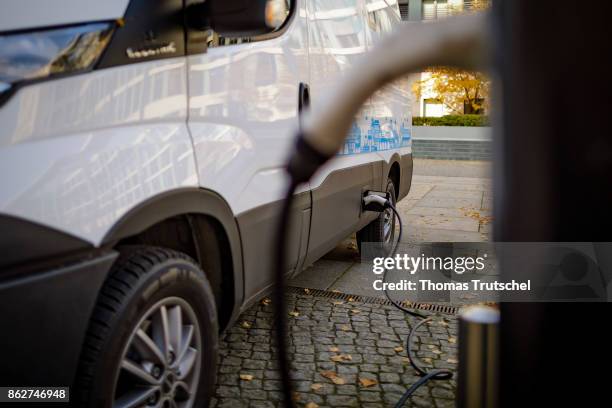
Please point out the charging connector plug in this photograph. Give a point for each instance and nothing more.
(375, 201)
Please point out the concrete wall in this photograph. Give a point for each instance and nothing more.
(452, 142)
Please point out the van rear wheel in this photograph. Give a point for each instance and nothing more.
(377, 238)
(153, 337)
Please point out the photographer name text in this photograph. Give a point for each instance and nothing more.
(473, 285)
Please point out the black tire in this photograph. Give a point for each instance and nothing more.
(379, 241)
(142, 278)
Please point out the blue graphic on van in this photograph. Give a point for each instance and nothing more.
(376, 135)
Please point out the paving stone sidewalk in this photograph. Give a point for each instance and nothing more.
(367, 340)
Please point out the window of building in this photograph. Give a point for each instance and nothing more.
(435, 9)
(433, 108)
(403, 8)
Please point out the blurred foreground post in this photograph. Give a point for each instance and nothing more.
(553, 171)
(478, 358)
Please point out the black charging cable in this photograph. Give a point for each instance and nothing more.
(281, 307)
(324, 133)
(303, 164)
(279, 300)
(436, 374)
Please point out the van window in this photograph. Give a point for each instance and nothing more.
(213, 39)
(338, 24)
(381, 15)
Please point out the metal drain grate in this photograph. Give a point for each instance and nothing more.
(430, 307)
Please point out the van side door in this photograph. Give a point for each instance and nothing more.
(243, 116)
(337, 35)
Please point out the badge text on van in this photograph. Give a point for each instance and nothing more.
(169, 48)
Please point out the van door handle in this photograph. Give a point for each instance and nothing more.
(303, 97)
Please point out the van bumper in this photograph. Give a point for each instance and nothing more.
(406, 167)
(44, 316)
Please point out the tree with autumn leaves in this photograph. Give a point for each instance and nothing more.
(462, 92)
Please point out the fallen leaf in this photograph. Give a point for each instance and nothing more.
(355, 311)
(311, 405)
(341, 357)
(336, 291)
(345, 327)
(295, 313)
(338, 303)
(476, 215)
(351, 299)
(436, 351)
(431, 346)
(246, 377)
(328, 374)
(246, 325)
(452, 340)
(452, 360)
(399, 349)
(427, 360)
(367, 382)
(316, 386)
(296, 396)
(334, 349)
(338, 380)
(405, 360)
(335, 378)
(266, 301)
(307, 291)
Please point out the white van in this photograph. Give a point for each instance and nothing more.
(142, 153)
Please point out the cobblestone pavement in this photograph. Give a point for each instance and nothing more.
(343, 353)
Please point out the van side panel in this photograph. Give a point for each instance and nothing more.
(243, 106)
(338, 37)
(78, 153)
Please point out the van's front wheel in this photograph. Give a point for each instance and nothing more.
(378, 237)
(152, 340)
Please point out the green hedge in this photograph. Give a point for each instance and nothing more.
(452, 120)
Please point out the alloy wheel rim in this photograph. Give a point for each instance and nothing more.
(160, 364)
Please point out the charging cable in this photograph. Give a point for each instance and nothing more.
(459, 42)
(436, 374)
(371, 202)
(376, 202)
(279, 296)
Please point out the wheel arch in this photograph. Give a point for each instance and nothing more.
(394, 175)
(400, 169)
(184, 220)
(393, 171)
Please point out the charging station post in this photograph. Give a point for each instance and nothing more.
(478, 377)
